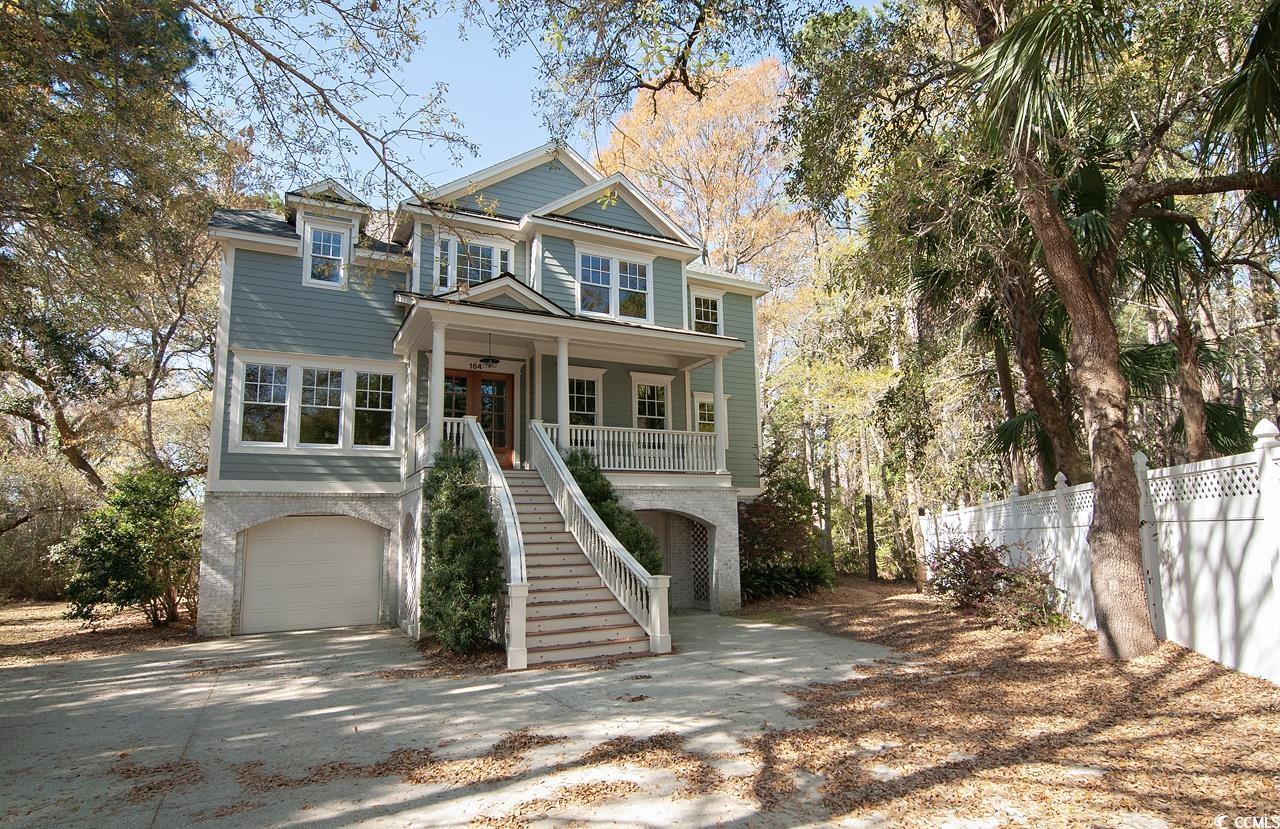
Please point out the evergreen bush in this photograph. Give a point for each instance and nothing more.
(462, 566)
(622, 522)
(140, 549)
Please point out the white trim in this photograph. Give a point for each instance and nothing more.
(642, 378)
(629, 193)
(220, 340)
(266, 242)
(310, 224)
(704, 397)
(320, 187)
(619, 238)
(671, 480)
(696, 293)
(513, 166)
(596, 375)
(310, 487)
(535, 262)
(694, 275)
(510, 286)
(415, 276)
(295, 364)
(615, 257)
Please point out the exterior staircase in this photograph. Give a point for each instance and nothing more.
(571, 615)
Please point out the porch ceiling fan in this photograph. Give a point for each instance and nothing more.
(488, 361)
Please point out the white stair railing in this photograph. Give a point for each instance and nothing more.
(643, 595)
(502, 508)
(453, 438)
(643, 450)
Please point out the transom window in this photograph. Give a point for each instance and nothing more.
(651, 406)
(706, 315)
(375, 405)
(320, 422)
(325, 256)
(582, 402)
(266, 399)
(614, 286)
(470, 262)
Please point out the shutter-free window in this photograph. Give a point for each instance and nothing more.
(326, 256)
(375, 401)
(706, 315)
(633, 290)
(595, 274)
(265, 401)
(320, 416)
(651, 406)
(582, 402)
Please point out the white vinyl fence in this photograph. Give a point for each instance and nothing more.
(1211, 549)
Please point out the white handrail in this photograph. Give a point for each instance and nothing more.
(643, 450)
(502, 508)
(643, 595)
(453, 429)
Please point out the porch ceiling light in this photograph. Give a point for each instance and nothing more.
(488, 361)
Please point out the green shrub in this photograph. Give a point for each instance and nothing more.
(140, 549)
(622, 522)
(979, 575)
(462, 566)
(764, 581)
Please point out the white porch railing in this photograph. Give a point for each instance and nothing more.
(642, 594)
(643, 450)
(453, 435)
(502, 508)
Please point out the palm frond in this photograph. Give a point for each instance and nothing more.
(1032, 76)
(1246, 108)
(1149, 367)
(1025, 431)
(1225, 426)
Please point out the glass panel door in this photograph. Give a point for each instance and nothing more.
(495, 413)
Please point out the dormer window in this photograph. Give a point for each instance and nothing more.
(470, 262)
(324, 262)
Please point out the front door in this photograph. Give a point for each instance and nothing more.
(488, 398)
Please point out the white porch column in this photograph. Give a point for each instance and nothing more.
(562, 392)
(435, 393)
(721, 413)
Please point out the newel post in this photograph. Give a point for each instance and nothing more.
(1150, 544)
(659, 619)
(517, 604)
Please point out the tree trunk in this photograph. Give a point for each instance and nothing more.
(1190, 393)
(1024, 322)
(1004, 376)
(1115, 544)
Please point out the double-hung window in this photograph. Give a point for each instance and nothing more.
(325, 257)
(470, 262)
(266, 401)
(706, 411)
(614, 286)
(374, 408)
(300, 406)
(706, 314)
(320, 416)
(583, 401)
(651, 406)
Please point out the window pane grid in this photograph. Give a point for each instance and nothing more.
(706, 315)
(651, 406)
(706, 416)
(326, 256)
(374, 391)
(443, 259)
(266, 384)
(266, 396)
(582, 402)
(475, 262)
(322, 387)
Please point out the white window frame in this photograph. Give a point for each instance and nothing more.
(499, 245)
(700, 397)
(341, 228)
(238, 414)
(614, 255)
(295, 363)
(639, 378)
(704, 293)
(596, 375)
(343, 416)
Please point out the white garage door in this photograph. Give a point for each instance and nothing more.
(317, 571)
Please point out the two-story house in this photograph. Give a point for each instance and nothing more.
(529, 308)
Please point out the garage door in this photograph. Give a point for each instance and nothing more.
(317, 571)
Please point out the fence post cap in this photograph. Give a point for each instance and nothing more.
(1265, 434)
(1140, 459)
(1060, 480)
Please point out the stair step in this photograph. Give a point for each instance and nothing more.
(566, 621)
(599, 634)
(541, 610)
(587, 650)
(541, 524)
(541, 552)
(556, 570)
(548, 508)
(590, 580)
(597, 592)
(534, 536)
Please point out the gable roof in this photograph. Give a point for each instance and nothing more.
(329, 190)
(628, 192)
(509, 286)
(510, 167)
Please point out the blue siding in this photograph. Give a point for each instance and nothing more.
(742, 454)
(619, 397)
(621, 215)
(558, 272)
(272, 310)
(524, 192)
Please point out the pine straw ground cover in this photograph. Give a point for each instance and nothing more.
(1023, 728)
(35, 632)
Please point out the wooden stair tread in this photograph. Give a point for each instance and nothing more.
(578, 616)
(631, 640)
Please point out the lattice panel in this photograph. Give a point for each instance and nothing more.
(1213, 483)
(1041, 506)
(1080, 501)
(700, 564)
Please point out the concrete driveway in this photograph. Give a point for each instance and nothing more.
(302, 732)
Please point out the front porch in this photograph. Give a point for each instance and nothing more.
(619, 391)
